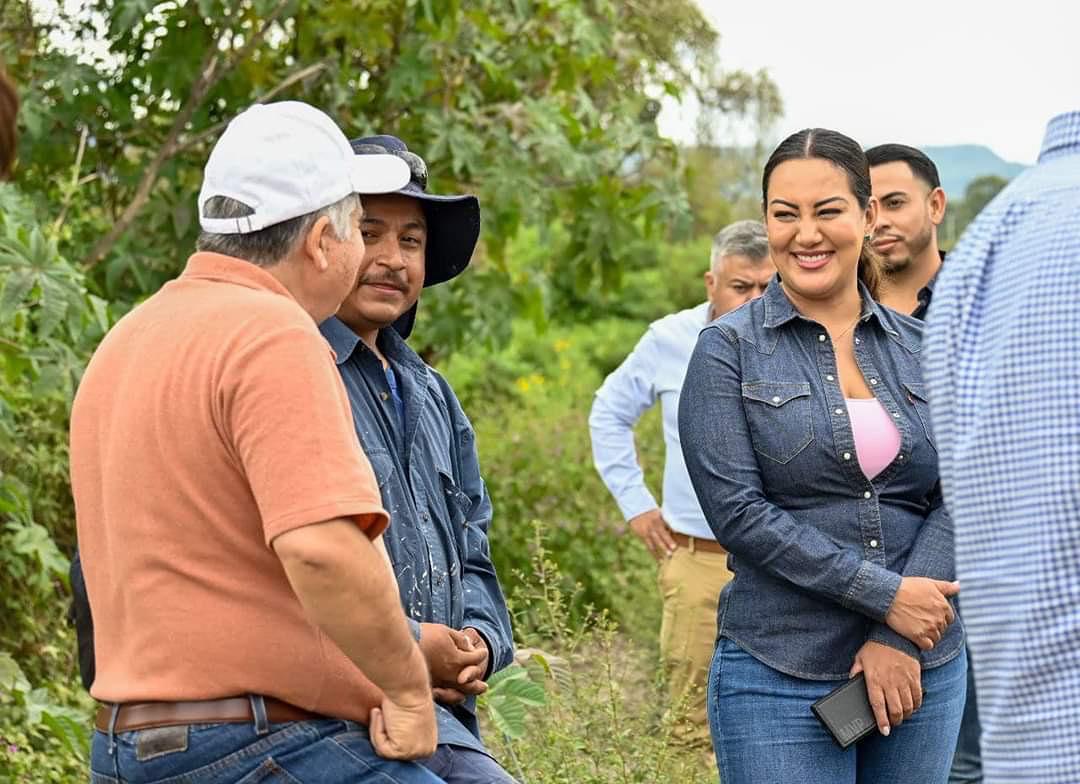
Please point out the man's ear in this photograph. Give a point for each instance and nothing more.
(314, 243)
(937, 201)
(710, 281)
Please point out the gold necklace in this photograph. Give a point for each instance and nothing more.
(836, 338)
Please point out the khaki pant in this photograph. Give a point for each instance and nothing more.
(690, 583)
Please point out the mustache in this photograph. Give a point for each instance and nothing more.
(391, 280)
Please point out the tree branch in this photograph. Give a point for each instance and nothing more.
(211, 72)
(281, 87)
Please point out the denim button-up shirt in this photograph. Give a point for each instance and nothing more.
(818, 550)
(429, 477)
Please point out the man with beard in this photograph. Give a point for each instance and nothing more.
(912, 205)
(907, 186)
(422, 448)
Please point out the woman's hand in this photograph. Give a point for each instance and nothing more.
(893, 682)
(921, 611)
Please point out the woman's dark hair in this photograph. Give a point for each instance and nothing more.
(9, 109)
(844, 153)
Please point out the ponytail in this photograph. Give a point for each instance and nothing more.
(870, 269)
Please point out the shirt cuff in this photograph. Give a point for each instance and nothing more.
(886, 636)
(635, 501)
(873, 590)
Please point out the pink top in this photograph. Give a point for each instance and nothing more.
(877, 441)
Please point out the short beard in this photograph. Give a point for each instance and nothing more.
(916, 245)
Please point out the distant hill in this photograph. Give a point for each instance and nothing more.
(959, 164)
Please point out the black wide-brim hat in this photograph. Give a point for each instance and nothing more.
(453, 222)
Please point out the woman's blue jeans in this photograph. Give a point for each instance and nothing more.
(764, 731)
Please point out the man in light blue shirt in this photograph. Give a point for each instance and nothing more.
(1002, 364)
(693, 567)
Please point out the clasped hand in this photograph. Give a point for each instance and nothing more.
(921, 611)
(457, 661)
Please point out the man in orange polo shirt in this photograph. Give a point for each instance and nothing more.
(246, 623)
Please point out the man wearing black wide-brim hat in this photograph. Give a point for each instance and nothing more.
(421, 446)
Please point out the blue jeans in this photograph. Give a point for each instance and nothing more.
(967, 762)
(764, 732)
(325, 751)
(458, 765)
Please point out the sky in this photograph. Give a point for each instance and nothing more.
(921, 72)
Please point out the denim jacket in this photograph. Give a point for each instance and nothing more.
(818, 550)
(429, 478)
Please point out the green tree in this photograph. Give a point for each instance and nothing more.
(545, 108)
(978, 193)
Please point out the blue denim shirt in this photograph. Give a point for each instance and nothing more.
(429, 478)
(818, 550)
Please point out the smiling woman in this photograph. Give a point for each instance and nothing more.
(822, 483)
(819, 209)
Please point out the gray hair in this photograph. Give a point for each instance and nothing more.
(268, 246)
(741, 238)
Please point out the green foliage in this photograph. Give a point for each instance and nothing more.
(529, 403)
(545, 108)
(979, 192)
(511, 692)
(600, 720)
(42, 739)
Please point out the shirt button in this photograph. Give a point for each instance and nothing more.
(899, 457)
(821, 338)
(829, 378)
(873, 381)
(857, 341)
(384, 395)
(847, 455)
(873, 542)
(896, 414)
(839, 410)
(776, 399)
(866, 494)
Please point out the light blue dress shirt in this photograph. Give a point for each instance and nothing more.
(653, 371)
(1003, 365)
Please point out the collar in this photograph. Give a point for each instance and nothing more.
(779, 310)
(341, 339)
(345, 343)
(1062, 137)
(228, 269)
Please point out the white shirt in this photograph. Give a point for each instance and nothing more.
(654, 369)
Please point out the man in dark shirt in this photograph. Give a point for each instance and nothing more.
(912, 205)
(421, 446)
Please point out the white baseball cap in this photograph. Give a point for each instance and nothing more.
(285, 160)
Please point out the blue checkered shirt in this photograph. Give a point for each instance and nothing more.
(1003, 366)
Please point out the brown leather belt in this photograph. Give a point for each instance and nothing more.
(693, 543)
(230, 710)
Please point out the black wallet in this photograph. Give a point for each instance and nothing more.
(846, 712)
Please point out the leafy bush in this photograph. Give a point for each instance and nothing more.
(600, 719)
